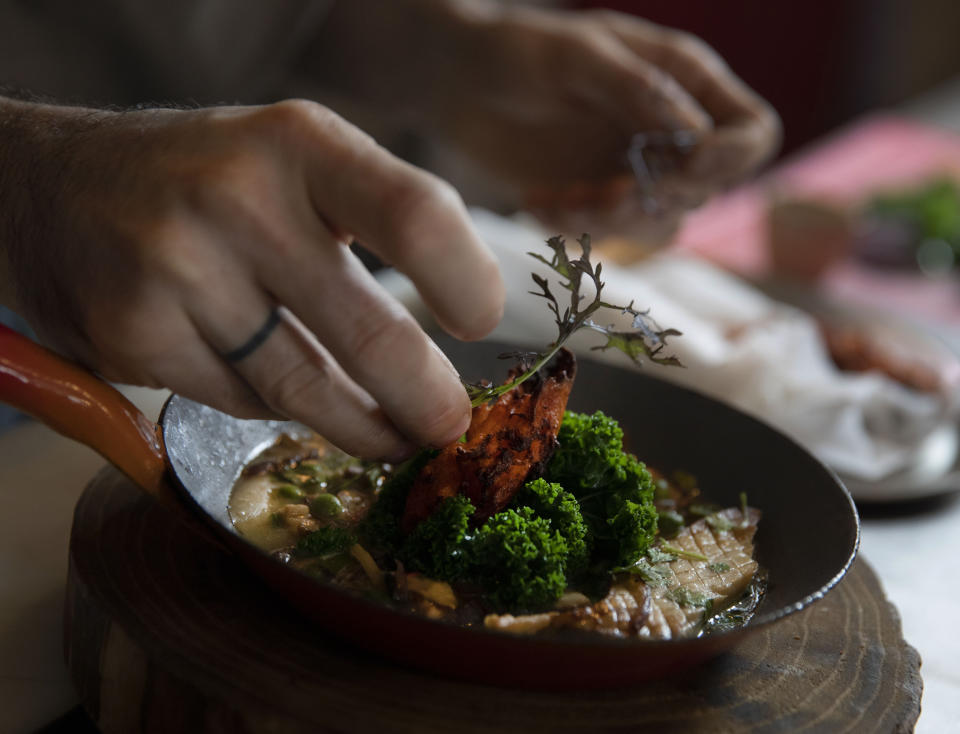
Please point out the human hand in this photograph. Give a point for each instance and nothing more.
(562, 96)
(154, 245)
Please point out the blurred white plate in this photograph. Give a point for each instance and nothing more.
(936, 470)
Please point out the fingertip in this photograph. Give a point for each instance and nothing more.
(475, 310)
(449, 415)
(405, 451)
(455, 429)
(481, 325)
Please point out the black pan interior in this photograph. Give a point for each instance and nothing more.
(809, 532)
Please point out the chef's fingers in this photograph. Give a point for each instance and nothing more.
(293, 374)
(409, 218)
(294, 259)
(375, 340)
(746, 129)
(171, 354)
(631, 90)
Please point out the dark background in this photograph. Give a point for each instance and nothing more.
(821, 63)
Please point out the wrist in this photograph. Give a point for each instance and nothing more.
(37, 145)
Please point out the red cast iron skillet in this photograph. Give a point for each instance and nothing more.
(807, 538)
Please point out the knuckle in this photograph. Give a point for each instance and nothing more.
(298, 384)
(692, 46)
(380, 335)
(417, 207)
(170, 252)
(303, 119)
(293, 114)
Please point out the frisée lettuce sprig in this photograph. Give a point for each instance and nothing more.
(643, 340)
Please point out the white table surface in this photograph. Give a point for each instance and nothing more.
(42, 475)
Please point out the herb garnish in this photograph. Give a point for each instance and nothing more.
(658, 555)
(652, 572)
(719, 522)
(681, 553)
(644, 339)
(689, 598)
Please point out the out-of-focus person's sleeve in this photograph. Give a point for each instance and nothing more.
(123, 52)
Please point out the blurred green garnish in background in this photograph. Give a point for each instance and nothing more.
(917, 226)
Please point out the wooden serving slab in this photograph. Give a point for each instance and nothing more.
(167, 633)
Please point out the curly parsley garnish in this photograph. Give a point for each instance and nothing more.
(645, 339)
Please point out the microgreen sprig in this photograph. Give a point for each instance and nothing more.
(644, 339)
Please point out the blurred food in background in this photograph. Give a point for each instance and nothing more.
(807, 236)
(855, 349)
(913, 228)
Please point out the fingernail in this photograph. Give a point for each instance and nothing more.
(401, 454)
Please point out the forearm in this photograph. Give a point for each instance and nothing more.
(35, 149)
(25, 139)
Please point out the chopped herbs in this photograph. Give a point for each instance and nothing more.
(657, 554)
(652, 573)
(720, 567)
(689, 598)
(719, 523)
(685, 554)
(711, 514)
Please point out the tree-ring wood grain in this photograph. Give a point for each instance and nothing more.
(166, 633)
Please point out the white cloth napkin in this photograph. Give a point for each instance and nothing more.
(738, 345)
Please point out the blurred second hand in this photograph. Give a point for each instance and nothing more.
(653, 154)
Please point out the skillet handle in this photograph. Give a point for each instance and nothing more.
(73, 402)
